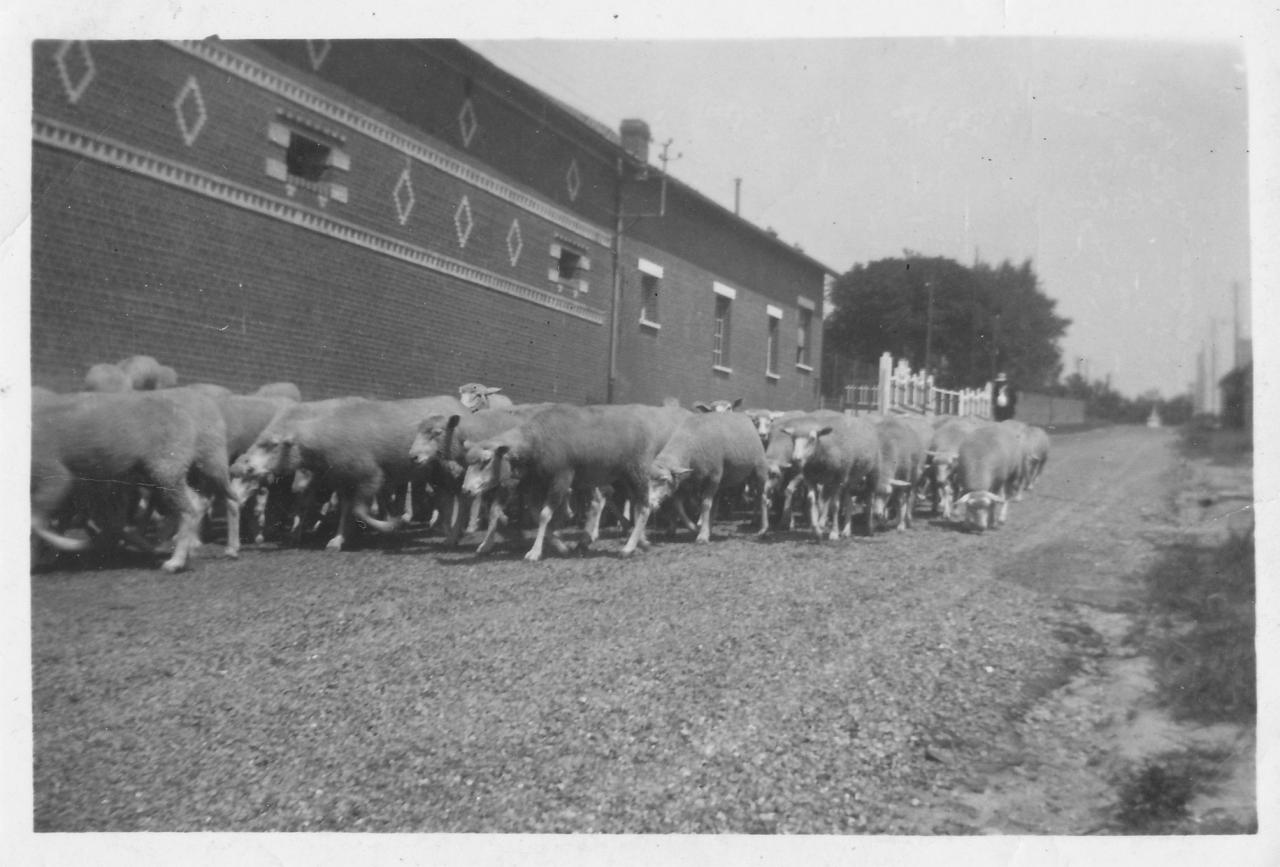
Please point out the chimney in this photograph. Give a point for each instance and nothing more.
(635, 141)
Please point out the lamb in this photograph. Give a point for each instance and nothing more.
(898, 470)
(785, 480)
(353, 445)
(990, 467)
(943, 456)
(585, 446)
(475, 397)
(106, 377)
(836, 458)
(147, 374)
(440, 446)
(705, 453)
(172, 441)
(278, 389)
(722, 405)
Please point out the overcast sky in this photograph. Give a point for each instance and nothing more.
(1119, 167)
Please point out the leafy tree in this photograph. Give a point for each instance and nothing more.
(984, 319)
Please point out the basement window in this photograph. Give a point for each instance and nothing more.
(307, 158)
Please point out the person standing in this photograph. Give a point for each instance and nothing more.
(1004, 397)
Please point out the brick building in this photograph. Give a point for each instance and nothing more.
(387, 218)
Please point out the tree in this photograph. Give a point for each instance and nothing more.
(984, 319)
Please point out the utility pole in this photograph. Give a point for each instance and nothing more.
(1213, 365)
(1235, 316)
(928, 330)
(737, 195)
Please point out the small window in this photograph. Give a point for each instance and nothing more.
(569, 267)
(720, 344)
(308, 159)
(568, 264)
(772, 341)
(803, 358)
(649, 285)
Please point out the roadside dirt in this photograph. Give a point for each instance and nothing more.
(1088, 538)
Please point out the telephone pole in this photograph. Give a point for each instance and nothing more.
(928, 330)
(1235, 316)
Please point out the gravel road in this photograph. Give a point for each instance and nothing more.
(893, 684)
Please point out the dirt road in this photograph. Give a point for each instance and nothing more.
(929, 681)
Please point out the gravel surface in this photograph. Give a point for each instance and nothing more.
(894, 684)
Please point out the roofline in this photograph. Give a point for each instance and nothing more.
(612, 143)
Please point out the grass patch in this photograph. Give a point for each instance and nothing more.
(1154, 796)
(1223, 446)
(1202, 635)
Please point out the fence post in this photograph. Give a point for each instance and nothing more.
(886, 378)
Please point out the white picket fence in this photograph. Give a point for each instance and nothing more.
(899, 390)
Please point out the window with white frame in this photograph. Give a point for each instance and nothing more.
(650, 286)
(309, 158)
(569, 266)
(772, 340)
(804, 334)
(720, 359)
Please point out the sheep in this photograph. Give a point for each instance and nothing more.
(147, 374)
(705, 453)
(475, 397)
(279, 389)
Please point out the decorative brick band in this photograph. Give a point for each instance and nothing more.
(119, 155)
(255, 73)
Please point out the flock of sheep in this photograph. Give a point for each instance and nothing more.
(105, 461)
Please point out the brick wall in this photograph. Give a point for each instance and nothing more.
(675, 360)
(246, 300)
(158, 229)
(426, 82)
(123, 264)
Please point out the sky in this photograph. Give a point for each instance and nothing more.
(1119, 167)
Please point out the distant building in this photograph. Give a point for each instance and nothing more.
(387, 218)
(1237, 397)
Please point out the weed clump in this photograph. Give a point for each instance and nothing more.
(1206, 664)
(1155, 797)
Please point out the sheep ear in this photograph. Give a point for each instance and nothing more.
(702, 407)
(493, 390)
(774, 415)
(898, 483)
(678, 473)
(789, 431)
(737, 403)
(963, 500)
(453, 422)
(996, 498)
(823, 432)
